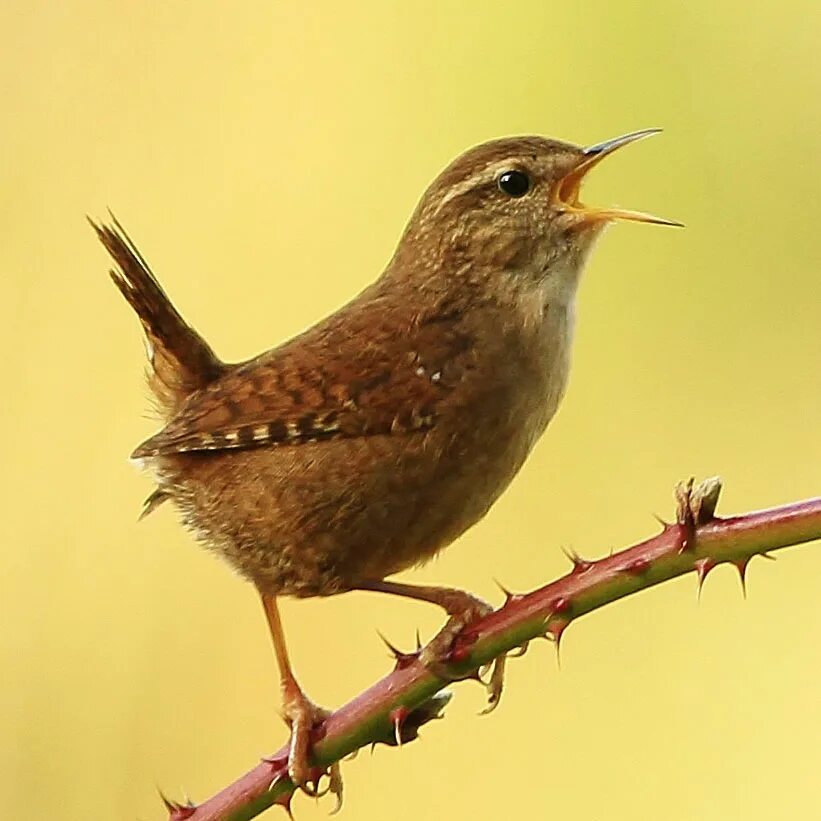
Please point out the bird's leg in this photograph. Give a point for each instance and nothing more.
(463, 609)
(301, 714)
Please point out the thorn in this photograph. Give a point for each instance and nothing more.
(509, 596)
(768, 556)
(703, 567)
(664, 524)
(741, 567)
(397, 717)
(284, 801)
(177, 811)
(353, 755)
(418, 642)
(402, 659)
(169, 804)
(579, 564)
(394, 651)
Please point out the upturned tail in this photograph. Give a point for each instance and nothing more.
(180, 360)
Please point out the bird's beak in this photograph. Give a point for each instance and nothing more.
(565, 194)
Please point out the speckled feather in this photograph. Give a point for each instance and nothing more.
(350, 376)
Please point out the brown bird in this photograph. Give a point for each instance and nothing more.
(371, 441)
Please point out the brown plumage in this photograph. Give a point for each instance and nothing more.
(180, 360)
(371, 441)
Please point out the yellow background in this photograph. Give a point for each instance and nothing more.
(265, 157)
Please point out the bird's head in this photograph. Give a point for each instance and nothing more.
(509, 211)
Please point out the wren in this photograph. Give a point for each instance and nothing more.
(375, 438)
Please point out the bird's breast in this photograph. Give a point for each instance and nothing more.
(488, 436)
(544, 345)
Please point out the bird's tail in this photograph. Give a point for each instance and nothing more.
(180, 360)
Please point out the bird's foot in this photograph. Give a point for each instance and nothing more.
(464, 609)
(303, 716)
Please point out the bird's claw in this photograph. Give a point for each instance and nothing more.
(463, 609)
(494, 685)
(438, 654)
(303, 716)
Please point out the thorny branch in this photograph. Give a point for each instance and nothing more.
(392, 710)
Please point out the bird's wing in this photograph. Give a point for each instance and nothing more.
(356, 374)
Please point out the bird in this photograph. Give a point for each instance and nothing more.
(368, 443)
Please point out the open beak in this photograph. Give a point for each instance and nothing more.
(566, 192)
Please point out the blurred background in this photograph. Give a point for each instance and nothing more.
(265, 157)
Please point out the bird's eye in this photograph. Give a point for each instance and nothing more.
(514, 183)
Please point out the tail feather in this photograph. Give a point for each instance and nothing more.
(181, 361)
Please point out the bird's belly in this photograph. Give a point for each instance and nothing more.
(323, 517)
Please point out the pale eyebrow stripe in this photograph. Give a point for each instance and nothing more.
(484, 175)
